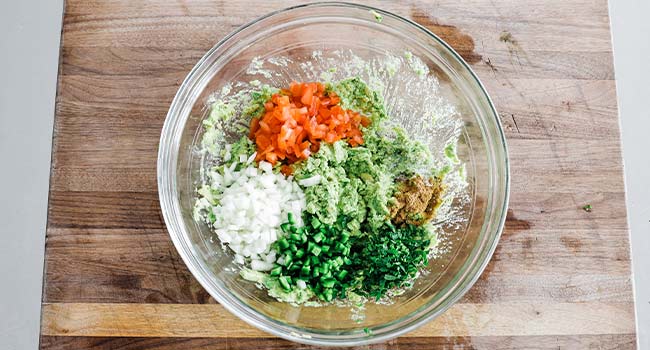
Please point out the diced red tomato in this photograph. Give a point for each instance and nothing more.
(297, 119)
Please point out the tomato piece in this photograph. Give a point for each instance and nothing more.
(286, 170)
(301, 136)
(315, 146)
(330, 137)
(265, 151)
(294, 135)
(324, 112)
(365, 121)
(262, 141)
(291, 123)
(315, 105)
(298, 118)
(271, 157)
(307, 95)
(264, 126)
(284, 115)
(295, 89)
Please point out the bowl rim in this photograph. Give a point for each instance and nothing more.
(246, 313)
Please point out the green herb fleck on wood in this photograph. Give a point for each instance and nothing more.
(506, 37)
(378, 17)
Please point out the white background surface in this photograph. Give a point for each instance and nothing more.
(29, 48)
(29, 52)
(631, 39)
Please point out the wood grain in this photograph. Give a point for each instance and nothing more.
(577, 342)
(213, 321)
(560, 277)
(141, 265)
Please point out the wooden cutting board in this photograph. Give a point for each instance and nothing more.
(560, 277)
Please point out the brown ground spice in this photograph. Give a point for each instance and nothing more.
(416, 200)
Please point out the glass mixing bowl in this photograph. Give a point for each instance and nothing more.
(368, 33)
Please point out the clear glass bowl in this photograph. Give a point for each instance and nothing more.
(327, 27)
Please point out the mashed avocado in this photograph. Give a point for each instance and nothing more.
(220, 113)
(359, 182)
(356, 95)
(255, 106)
(275, 290)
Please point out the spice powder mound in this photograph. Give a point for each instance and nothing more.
(416, 200)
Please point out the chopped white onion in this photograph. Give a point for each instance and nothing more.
(259, 265)
(252, 203)
(310, 181)
(266, 166)
(301, 284)
(251, 158)
(281, 260)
